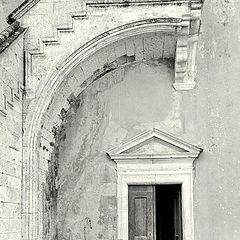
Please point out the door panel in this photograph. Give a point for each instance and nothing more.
(140, 212)
(140, 216)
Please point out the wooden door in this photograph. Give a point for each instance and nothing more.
(141, 212)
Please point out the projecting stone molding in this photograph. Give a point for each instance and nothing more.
(187, 29)
(179, 18)
(155, 145)
(67, 39)
(151, 158)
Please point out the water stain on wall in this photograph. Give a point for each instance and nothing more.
(110, 110)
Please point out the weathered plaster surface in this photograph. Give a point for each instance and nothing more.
(217, 192)
(80, 194)
(109, 111)
(207, 116)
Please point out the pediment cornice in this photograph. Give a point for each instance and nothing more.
(101, 3)
(179, 18)
(26, 5)
(154, 144)
(18, 12)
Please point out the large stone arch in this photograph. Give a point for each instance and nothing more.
(36, 136)
(95, 111)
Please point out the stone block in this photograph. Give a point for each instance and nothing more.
(120, 49)
(15, 157)
(44, 164)
(79, 75)
(11, 236)
(3, 179)
(56, 107)
(42, 176)
(169, 47)
(13, 195)
(14, 124)
(7, 167)
(46, 148)
(3, 193)
(10, 181)
(130, 49)
(158, 46)
(89, 66)
(111, 55)
(15, 142)
(102, 57)
(148, 47)
(138, 43)
(10, 210)
(47, 134)
(12, 60)
(75, 84)
(7, 87)
(13, 182)
(10, 225)
(42, 8)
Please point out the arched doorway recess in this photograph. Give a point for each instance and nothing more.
(56, 94)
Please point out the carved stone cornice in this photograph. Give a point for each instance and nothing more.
(21, 10)
(151, 158)
(155, 145)
(187, 29)
(185, 26)
(125, 3)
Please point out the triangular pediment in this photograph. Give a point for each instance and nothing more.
(154, 144)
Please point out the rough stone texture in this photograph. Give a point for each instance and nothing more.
(11, 76)
(207, 116)
(77, 82)
(48, 44)
(73, 184)
(108, 112)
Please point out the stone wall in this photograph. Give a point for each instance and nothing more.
(105, 61)
(97, 107)
(117, 106)
(207, 116)
(217, 188)
(11, 83)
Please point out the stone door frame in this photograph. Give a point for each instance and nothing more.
(155, 177)
(175, 167)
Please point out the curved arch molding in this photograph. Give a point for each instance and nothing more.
(185, 30)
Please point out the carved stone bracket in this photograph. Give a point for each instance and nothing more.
(186, 46)
(185, 69)
(187, 24)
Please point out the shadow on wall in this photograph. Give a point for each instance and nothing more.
(82, 179)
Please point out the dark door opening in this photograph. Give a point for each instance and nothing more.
(155, 212)
(168, 212)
